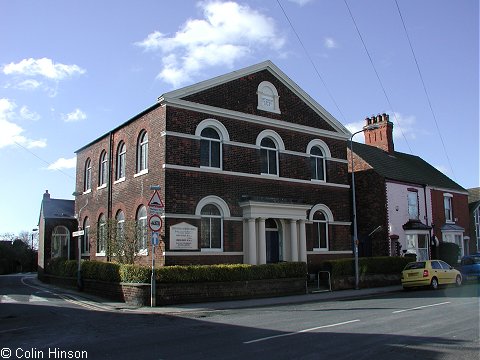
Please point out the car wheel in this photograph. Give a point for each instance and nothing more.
(458, 280)
(434, 283)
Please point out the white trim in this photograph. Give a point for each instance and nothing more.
(236, 115)
(274, 97)
(254, 176)
(323, 208)
(143, 172)
(122, 179)
(217, 125)
(320, 143)
(103, 186)
(275, 71)
(329, 252)
(272, 135)
(212, 199)
(88, 191)
(102, 254)
(196, 217)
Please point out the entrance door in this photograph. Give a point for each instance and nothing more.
(272, 241)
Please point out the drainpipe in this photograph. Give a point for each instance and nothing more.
(110, 185)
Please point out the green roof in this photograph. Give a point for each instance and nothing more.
(404, 167)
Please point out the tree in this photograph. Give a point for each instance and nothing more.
(122, 240)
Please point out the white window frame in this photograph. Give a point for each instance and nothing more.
(86, 237)
(411, 239)
(325, 210)
(142, 226)
(447, 199)
(60, 235)
(121, 167)
(280, 146)
(88, 176)
(455, 237)
(101, 235)
(142, 153)
(413, 195)
(224, 213)
(221, 131)
(103, 170)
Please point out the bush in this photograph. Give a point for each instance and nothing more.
(103, 271)
(135, 274)
(368, 265)
(62, 267)
(449, 252)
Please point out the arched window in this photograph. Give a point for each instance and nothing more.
(317, 163)
(102, 173)
(142, 152)
(210, 148)
(60, 242)
(120, 233)
(269, 156)
(88, 175)
(141, 219)
(101, 235)
(320, 231)
(86, 237)
(121, 158)
(268, 99)
(211, 227)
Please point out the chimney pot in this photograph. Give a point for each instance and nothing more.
(46, 195)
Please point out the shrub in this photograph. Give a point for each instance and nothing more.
(374, 265)
(103, 271)
(449, 253)
(62, 267)
(135, 274)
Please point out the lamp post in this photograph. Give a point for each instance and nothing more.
(79, 241)
(33, 230)
(355, 230)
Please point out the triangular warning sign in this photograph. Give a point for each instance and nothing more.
(155, 201)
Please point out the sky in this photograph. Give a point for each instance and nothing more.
(70, 71)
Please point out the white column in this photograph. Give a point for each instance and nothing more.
(252, 242)
(293, 240)
(302, 241)
(262, 245)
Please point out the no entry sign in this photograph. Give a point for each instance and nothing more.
(155, 223)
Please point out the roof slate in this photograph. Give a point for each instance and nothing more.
(58, 208)
(404, 167)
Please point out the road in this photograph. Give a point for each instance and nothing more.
(38, 323)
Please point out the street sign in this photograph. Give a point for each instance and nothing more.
(156, 211)
(155, 223)
(155, 238)
(156, 201)
(78, 233)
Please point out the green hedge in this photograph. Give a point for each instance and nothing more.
(374, 265)
(114, 272)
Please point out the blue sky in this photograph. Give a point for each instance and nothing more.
(72, 70)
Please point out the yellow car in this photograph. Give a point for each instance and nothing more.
(430, 273)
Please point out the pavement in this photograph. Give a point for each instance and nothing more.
(98, 303)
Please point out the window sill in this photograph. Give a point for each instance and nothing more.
(270, 175)
(319, 181)
(100, 254)
(143, 172)
(119, 180)
(103, 186)
(320, 250)
(87, 191)
(219, 250)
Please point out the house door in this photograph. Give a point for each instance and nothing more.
(272, 241)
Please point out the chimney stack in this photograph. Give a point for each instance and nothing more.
(381, 137)
(46, 196)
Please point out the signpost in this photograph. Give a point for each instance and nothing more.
(155, 209)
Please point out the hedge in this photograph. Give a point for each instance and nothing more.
(114, 272)
(371, 265)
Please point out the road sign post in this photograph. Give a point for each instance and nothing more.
(155, 209)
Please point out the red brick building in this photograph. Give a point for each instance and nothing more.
(404, 205)
(251, 168)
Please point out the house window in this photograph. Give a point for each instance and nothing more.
(210, 148)
(417, 243)
(142, 230)
(320, 231)
(211, 227)
(269, 156)
(86, 237)
(447, 204)
(121, 157)
(102, 173)
(60, 242)
(476, 217)
(317, 163)
(88, 175)
(456, 238)
(268, 99)
(142, 152)
(101, 235)
(412, 199)
(120, 233)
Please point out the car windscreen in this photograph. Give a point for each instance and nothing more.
(415, 265)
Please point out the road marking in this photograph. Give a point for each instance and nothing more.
(421, 307)
(300, 332)
(5, 299)
(34, 298)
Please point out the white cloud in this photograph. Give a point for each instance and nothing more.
(25, 113)
(228, 32)
(12, 133)
(29, 84)
(75, 115)
(330, 43)
(42, 67)
(300, 2)
(63, 163)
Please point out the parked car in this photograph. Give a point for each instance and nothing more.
(470, 267)
(431, 273)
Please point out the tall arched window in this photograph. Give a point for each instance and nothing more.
(102, 171)
(320, 231)
(317, 163)
(88, 175)
(141, 219)
(120, 233)
(121, 158)
(101, 235)
(142, 152)
(86, 237)
(60, 242)
(269, 156)
(210, 148)
(211, 227)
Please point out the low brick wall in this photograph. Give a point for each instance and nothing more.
(366, 281)
(180, 293)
